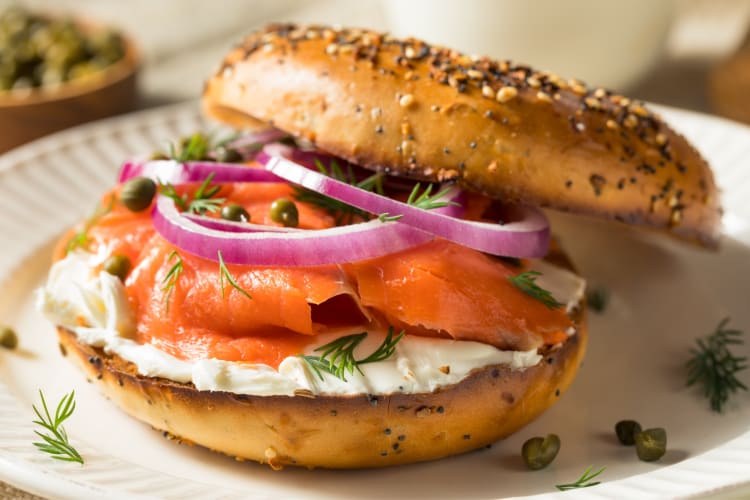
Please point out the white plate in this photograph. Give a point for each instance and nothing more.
(664, 294)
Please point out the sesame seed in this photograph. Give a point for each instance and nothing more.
(406, 100)
(332, 48)
(600, 93)
(661, 139)
(376, 112)
(638, 110)
(630, 121)
(378, 129)
(267, 47)
(624, 101)
(577, 87)
(505, 94)
(474, 74)
(611, 124)
(533, 82)
(592, 103)
(492, 167)
(409, 52)
(406, 130)
(434, 108)
(407, 148)
(487, 91)
(473, 145)
(543, 96)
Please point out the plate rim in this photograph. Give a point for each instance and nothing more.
(37, 480)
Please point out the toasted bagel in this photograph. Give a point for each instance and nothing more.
(341, 432)
(503, 129)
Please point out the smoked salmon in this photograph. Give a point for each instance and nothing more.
(184, 306)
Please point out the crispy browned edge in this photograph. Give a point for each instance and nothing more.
(341, 432)
(411, 109)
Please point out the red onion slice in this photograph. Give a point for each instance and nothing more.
(527, 237)
(259, 137)
(236, 227)
(174, 172)
(289, 248)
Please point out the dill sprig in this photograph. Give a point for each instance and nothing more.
(190, 149)
(582, 482)
(170, 279)
(337, 357)
(714, 367)
(56, 441)
(526, 282)
(81, 238)
(343, 212)
(426, 201)
(224, 273)
(202, 201)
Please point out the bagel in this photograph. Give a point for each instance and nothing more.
(341, 432)
(427, 112)
(406, 109)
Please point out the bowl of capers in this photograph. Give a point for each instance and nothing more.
(56, 72)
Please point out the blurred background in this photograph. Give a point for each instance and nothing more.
(692, 54)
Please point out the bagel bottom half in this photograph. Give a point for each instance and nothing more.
(340, 432)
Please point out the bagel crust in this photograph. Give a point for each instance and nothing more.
(338, 432)
(503, 129)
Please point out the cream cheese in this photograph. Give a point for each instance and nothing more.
(95, 307)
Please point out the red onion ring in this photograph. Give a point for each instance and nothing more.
(527, 237)
(174, 172)
(259, 137)
(273, 248)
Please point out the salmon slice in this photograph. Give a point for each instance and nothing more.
(438, 289)
(454, 291)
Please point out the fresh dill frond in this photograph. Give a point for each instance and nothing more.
(55, 440)
(585, 481)
(202, 201)
(714, 367)
(81, 238)
(192, 149)
(343, 212)
(168, 190)
(224, 273)
(426, 201)
(170, 279)
(337, 357)
(526, 282)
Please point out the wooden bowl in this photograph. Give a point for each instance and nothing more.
(27, 114)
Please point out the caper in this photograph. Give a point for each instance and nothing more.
(235, 212)
(227, 155)
(626, 431)
(285, 212)
(137, 193)
(539, 452)
(117, 265)
(8, 337)
(651, 444)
